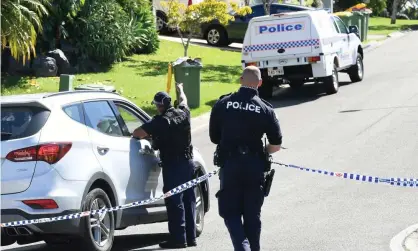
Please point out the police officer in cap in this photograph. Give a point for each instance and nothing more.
(171, 134)
(237, 124)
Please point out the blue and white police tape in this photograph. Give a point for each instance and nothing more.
(170, 193)
(194, 182)
(364, 178)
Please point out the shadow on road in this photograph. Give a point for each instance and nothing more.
(286, 96)
(133, 242)
(121, 243)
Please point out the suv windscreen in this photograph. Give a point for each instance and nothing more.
(20, 121)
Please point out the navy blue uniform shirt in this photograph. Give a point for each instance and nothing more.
(242, 118)
(171, 134)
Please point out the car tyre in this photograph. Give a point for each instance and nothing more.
(161, 23)
(331, 82)
(265, 91)
(356, 72)
(200, 210)
(97, 230)
(216, 36)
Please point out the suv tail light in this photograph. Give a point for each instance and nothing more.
(50, 153)
(41, 204)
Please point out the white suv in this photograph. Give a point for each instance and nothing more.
(68, 152)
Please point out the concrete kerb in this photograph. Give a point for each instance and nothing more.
(398, 242)
(375, 44)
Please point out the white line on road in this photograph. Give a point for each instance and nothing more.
(397, 242)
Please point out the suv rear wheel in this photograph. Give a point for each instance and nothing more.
(200, 210)
(97, 230)
(331, 82)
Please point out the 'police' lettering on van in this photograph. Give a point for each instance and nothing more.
(263, 29)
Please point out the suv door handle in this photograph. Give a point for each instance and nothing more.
(102, 150)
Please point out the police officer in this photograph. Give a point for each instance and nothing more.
(237, 124)
(171, 134)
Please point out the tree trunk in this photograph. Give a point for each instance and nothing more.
(394, 11)
(266, 4)
(186, 47)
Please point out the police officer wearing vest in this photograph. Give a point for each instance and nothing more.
(171, 134)
(237, 124)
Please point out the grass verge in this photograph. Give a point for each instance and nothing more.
(382, 26)
(141, 76)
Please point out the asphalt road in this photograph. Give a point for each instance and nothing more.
(368, 128)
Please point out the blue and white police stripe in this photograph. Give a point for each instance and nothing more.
(170, 193)
(364, 178)
(284, 45)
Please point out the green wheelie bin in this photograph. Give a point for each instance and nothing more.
(187, 71)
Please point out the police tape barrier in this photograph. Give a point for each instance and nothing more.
(194, 182)
(170, 193)
(364, 178)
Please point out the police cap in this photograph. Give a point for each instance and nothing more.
(161, 98)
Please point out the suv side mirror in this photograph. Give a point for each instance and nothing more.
(354, 29)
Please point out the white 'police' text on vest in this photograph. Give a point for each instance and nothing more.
(245, 106)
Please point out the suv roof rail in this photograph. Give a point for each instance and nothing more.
(78, 91)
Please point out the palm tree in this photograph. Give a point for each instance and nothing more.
(20, 23)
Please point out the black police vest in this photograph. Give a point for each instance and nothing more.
(242, 128)
(175, 141)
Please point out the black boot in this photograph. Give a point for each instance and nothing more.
(172, 245)
(191, 243)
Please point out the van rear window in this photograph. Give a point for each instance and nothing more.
(20, 121)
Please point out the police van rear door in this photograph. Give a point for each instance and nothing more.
(281, 35)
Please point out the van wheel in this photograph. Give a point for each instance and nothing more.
(97, 230)
(331, 82)
(265, 91)
(296, 84)
(356, 72)
(200, 210)
(216, 36)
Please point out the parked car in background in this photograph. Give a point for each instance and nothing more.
(218, 35)
(66, 152)
(161, 13)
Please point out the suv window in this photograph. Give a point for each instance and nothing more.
(100, 117)
(341, 25)
(74, 112)
(130, 118)
(20, 121)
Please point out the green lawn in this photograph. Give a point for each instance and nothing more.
(382, 26)
(141, 76)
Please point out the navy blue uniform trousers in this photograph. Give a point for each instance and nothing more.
(180, 207)
(240, 197)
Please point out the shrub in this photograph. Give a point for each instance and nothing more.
(144, 28)
(103, 32)
(377, 6)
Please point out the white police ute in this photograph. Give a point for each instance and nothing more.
(303, 46)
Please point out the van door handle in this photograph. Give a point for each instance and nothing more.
(102, 150)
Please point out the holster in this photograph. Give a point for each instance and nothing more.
(218, 158)
(268, 181)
